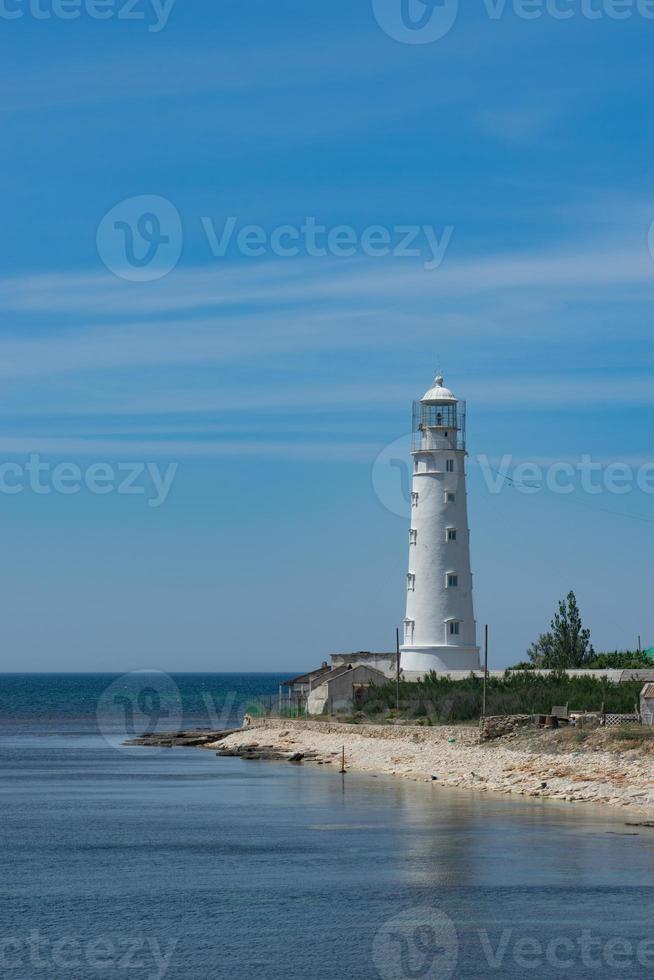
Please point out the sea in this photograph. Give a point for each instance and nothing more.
(129, 862)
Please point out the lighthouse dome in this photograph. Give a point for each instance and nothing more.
(438, 393)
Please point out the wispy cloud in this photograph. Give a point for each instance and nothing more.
(102, 449)
(184, 71)
(219, 340)
(222, 340)
(518, 125)
(275, 283)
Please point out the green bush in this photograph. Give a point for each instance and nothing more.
(616, 660)
(443, 700)
(621, 660)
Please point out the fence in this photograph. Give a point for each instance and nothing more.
(611, 720)
(272, 706)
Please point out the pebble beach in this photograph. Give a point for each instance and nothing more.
(454, 756)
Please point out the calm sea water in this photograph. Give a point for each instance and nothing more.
(130, 703)
(138, 863)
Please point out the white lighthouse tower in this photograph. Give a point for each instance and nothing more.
(439, 628)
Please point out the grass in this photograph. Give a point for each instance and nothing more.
(438, 700)
(637, 735)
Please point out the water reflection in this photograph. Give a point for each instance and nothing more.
(292, 871)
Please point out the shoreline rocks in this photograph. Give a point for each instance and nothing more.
(193, 738)
(455, 756)
(521, 762)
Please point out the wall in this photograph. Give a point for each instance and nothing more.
(336, 694)
(464, 734)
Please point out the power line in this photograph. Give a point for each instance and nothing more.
(579, 503)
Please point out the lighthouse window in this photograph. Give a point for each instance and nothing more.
(449, 465)
(451, 534)
(411, 582)
(452, 581)
(408, 630)
(449, 497)
(414, 499)
(413, 536)
(454, 629)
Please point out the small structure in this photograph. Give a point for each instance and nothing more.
(342, 689)
(294, 693)
(647, 704)
(587, 719)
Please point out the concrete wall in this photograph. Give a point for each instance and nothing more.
(464, 734)
(386, 663)
(615, 676)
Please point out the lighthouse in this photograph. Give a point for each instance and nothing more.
(439, 627)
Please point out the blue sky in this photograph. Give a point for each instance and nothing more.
(273, 383)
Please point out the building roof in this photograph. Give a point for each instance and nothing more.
(647, 691)
(309, 676)
(359, 668)
(438, 393)
(365, 653)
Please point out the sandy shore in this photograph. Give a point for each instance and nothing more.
(453, 756)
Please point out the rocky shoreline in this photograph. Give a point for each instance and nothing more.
(545, 767)
(194, 738)
(550, 765)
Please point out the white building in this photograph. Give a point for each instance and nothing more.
(647, 705)
(343, 689)
(439, 628)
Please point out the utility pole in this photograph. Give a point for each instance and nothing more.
(639, 646)
(483, 709)
(397, 669)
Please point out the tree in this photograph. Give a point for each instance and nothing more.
(567, 644)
